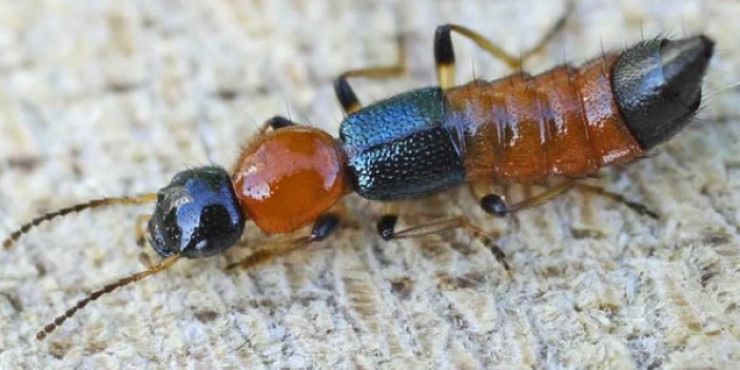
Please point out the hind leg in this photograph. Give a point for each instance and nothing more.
(495, 203)
(640, 208)
(444, 54)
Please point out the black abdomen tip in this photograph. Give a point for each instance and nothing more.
(657, 85)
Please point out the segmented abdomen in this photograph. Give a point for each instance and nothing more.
(526, 128)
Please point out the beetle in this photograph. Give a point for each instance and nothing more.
(567, 122)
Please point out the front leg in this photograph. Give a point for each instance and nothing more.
(324, 226)
(275, 123)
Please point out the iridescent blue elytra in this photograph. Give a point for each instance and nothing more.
(400, 148)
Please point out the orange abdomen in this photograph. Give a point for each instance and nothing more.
(289, 177)
(526, 128)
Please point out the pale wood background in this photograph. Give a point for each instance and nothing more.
(108, 98)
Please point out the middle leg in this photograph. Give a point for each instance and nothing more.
(346, 96)
(387, 223)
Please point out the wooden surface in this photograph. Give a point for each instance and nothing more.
(109, 98)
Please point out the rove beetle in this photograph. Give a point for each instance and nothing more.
(565, 123)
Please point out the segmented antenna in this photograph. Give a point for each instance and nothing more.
(59, 320)
(95, 203)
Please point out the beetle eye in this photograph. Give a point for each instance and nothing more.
(197, 214)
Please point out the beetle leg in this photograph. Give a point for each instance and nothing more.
(324, 226)
(495, 203)
(387, 223)
(444, 54)
(141, 229)
(146, 260)
(635, 206)
(343, 90)
(275, 123)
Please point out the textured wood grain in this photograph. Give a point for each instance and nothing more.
(111, 98)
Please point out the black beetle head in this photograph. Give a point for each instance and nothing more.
(658, 86)
(197, 214)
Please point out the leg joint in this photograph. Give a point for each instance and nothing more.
(386, 226)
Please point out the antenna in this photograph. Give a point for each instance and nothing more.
(59, 320)
(95, 203)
